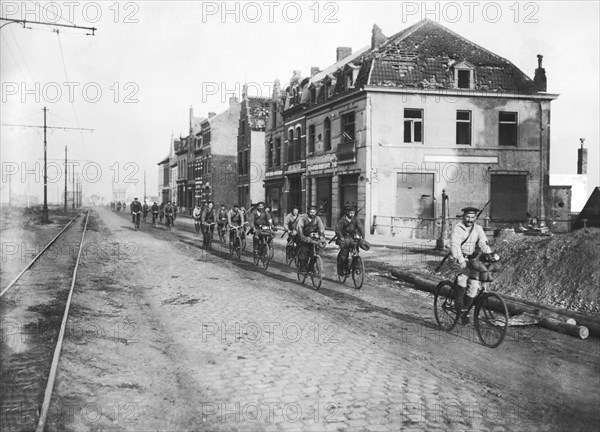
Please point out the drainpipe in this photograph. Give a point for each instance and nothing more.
(542, 173)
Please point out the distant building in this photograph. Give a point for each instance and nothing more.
(254, 116)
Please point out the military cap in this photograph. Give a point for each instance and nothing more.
(470, 210)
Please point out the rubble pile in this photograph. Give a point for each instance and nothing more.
(561, 271)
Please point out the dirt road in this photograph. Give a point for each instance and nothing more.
(168, 337)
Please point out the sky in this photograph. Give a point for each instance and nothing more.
(134, 80)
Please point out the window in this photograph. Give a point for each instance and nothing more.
(270, 153)
(464, 79)
(313, 95)
(348, 81)
(277, 152)
(274, 114)
(413, 126)
(290, 153)
(246, 162)
(507, 129)
(325, 91)
(240, 163)
(348, 130)
(327, 129)
(311, 139)
(298, 146)
(463, 127)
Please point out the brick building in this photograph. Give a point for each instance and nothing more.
(254, 116)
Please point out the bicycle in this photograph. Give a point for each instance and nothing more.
(291, 251)
(207, 235)
(169, 222)
(265, 250)
(490, 316)
(354, 265)
(221, 231)
(315, 265)
(136, 220)
(235, 246)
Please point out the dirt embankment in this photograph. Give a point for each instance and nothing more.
(561, 271)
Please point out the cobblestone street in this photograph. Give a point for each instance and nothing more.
(223, 345)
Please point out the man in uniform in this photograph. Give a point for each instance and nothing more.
(135, 207)
(259, 217)
(346, 229)
(465, 237)
(235, 219)
(308, 224)
(209, 218)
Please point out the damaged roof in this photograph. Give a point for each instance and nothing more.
(422, 56)
(257, 112)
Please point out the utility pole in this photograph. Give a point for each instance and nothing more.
(66, 175)
(45, 218)
(73, 186)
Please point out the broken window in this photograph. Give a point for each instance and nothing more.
(348, 129)
(507, 129)
(413, 126)
(464, 79)
(463, 127)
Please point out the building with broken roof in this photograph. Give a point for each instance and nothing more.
(254, 116)
(395, 123)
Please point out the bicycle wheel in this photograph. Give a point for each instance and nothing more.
(266, 255)
(316, 274)
(342, 278)
(256, 254)
(491, 319)
(443, 306)
(289, 254)
(358, 272)
(301, 275)
(244, 242)
(237, 247)
(271, 251)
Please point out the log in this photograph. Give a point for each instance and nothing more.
(581, 332)
(429, 283)
(516, 306)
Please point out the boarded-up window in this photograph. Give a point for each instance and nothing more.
(509, 197)
(414, 195)
(507, 129)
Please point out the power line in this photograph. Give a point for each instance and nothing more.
(52, 12)
(25, 22)
(22, 56)
(62, 56)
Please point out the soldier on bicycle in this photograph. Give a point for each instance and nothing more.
(209, 218)
(135, 207)
(347, 228)
(222, 219)
(197, 215)
(309, 224)
(466, 236)
(290, 224)
(145, 209)
(154, 210)
(169, 210)
(235, 219)
(259, 217)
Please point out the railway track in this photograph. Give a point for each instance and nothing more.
(35, 308)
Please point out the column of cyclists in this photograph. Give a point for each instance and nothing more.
(305, 238)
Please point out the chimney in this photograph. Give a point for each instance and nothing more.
(540, 75)
(377, 37)
(233, 100)
(342, 53)
(191, 117)
(314, 70)
(276, 88)
(582, 158)
(211, 115)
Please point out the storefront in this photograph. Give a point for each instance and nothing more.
(273, 197)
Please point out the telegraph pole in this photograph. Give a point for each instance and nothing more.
(45, 210)
(66, 176)
(45, 218)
